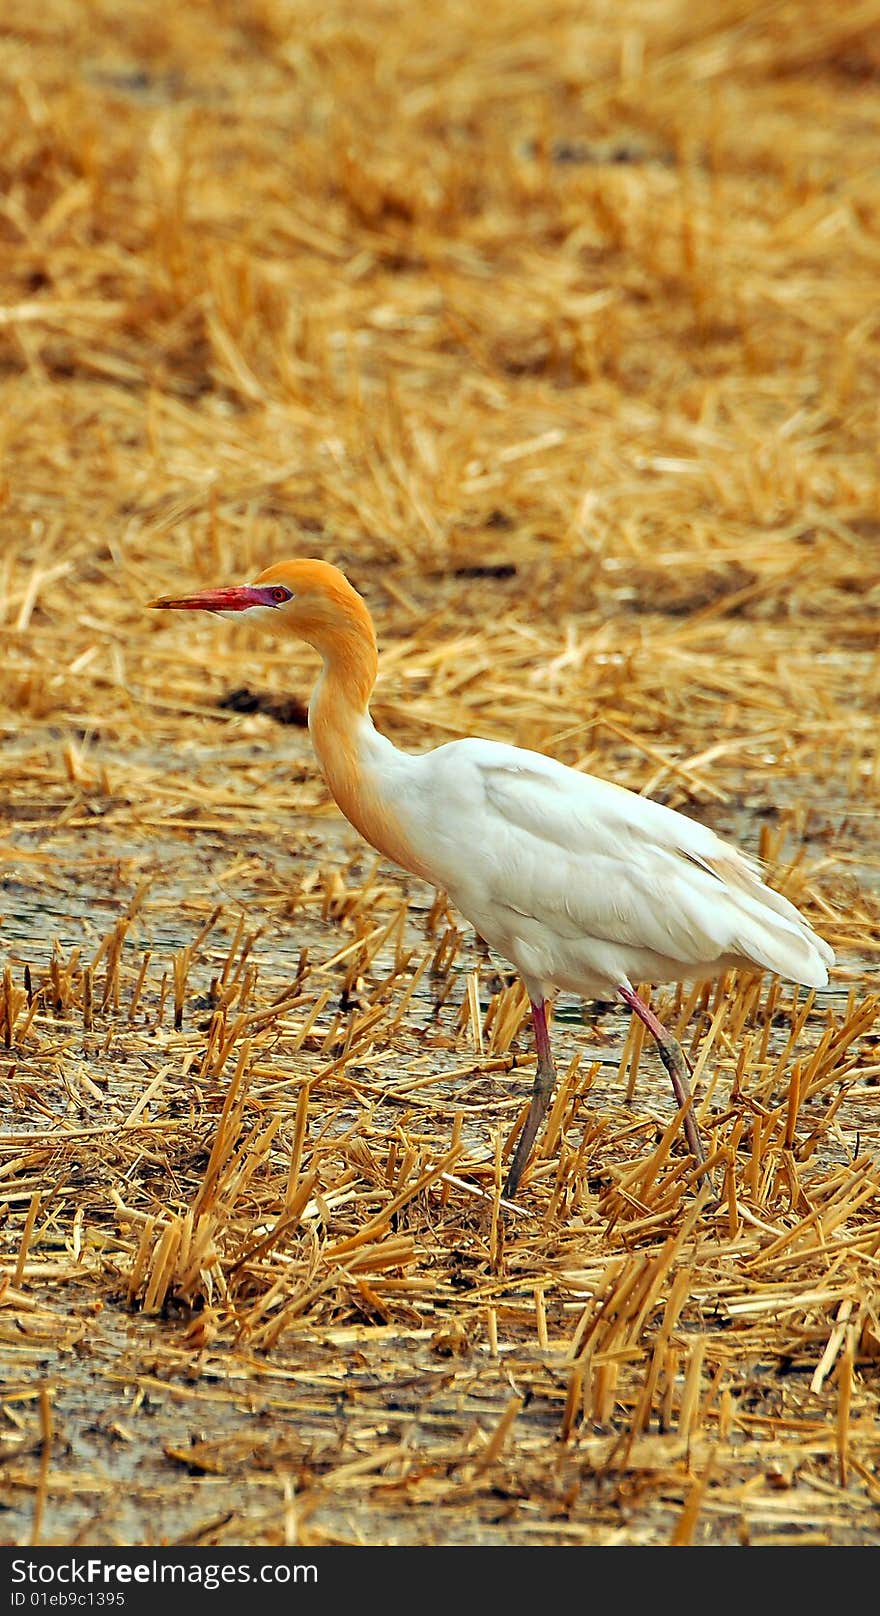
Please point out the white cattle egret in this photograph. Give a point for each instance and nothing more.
(581, 884)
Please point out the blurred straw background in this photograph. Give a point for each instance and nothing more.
(556, 326)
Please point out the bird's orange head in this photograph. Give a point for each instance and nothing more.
(312, 598)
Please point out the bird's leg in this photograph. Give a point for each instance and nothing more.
(545, 1080)
(676, 1063)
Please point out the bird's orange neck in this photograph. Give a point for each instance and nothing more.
(346, 641)
(343, 735)
(341, 699)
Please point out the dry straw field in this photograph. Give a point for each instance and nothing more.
(555, 323)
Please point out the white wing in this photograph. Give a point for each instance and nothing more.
(567, 873)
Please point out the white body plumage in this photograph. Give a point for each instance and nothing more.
(580, 883)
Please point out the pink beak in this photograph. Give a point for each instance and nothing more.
(234, 598)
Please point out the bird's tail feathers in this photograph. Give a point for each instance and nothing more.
(788, 949)
(774, 933)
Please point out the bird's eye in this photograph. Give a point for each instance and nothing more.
(279, 594)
